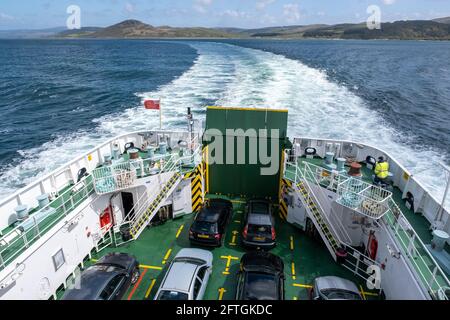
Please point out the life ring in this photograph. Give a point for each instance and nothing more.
(131, 145)
(81, 174)
(371, 160)
(372, 247)
(310, 151)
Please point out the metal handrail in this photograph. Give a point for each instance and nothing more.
(366, 261)
(168, 166)
(412, 241)
(297, 180)
(171, 165)
(39, 228)
(332, 211)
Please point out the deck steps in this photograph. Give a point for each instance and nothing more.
(420, 261)
(336, 242)
(143, 219)
(306, 197)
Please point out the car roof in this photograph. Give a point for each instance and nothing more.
(332, 282)
(259, 204)
(259, 219)
(209, 214)
(194, 253)
(92, 281)
(180, 276)
(262, 286)
(261, 261)
(119, 259)
(219, 202)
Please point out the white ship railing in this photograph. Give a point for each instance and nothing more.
(366, 199)
(414, 250)
(21, 237)
(308, 175)
(338, 232)
(353, 193)
(123, 175)
(431, 276)
(66, 175)
(174, 164)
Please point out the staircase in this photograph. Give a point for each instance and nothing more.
(330, 228)
(141, 220)
(316, 216)
(427, 271)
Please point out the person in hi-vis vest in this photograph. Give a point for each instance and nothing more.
(381, 170)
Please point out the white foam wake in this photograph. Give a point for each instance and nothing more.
(234, 76)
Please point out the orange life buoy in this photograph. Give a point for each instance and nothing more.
(372, 247)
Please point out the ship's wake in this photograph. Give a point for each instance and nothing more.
(229, 75)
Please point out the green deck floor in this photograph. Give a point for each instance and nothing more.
(309, 258)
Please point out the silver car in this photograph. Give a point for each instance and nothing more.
(334, 288)
(187, 276)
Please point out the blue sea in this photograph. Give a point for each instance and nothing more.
(61, 98)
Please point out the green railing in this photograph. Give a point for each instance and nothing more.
(19, 239)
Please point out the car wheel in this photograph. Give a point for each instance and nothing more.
(135, 276)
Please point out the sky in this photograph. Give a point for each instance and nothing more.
(39, 14)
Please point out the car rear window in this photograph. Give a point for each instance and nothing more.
(259, 208)
(173, 295)
(261, 286)
(255, 229)
(340, 295)
(205, 227)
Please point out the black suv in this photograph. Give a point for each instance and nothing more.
(259, 228)
(108, 279)
(210, 224)
(261, 277)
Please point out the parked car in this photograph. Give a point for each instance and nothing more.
(261, 277)
(334, 288)
(209, 226)
(259, 227)
(108, 279)
(187, 276)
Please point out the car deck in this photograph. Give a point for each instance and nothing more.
(304, 258)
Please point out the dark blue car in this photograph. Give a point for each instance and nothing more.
(108, 279)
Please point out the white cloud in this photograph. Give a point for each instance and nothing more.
(4, 16)
(291, 12)
(129, 7)
(389, 2)
(202, 5)
(262, 4)
(235, 14)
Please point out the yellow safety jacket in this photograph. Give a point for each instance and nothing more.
(382, 170)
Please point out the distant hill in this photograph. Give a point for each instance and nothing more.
(77, 33)
(403, 30)
(442, 20)
(437, 29)
(138, 29)
(279, 32)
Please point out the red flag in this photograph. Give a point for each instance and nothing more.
(152, 104)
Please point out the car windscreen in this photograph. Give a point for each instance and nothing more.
(259, 208)
(336, 294)
(198, 262)
(261, 286)
(173, 295)
(204, 227)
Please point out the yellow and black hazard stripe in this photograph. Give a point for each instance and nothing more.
(198, 194)
(283, 208)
